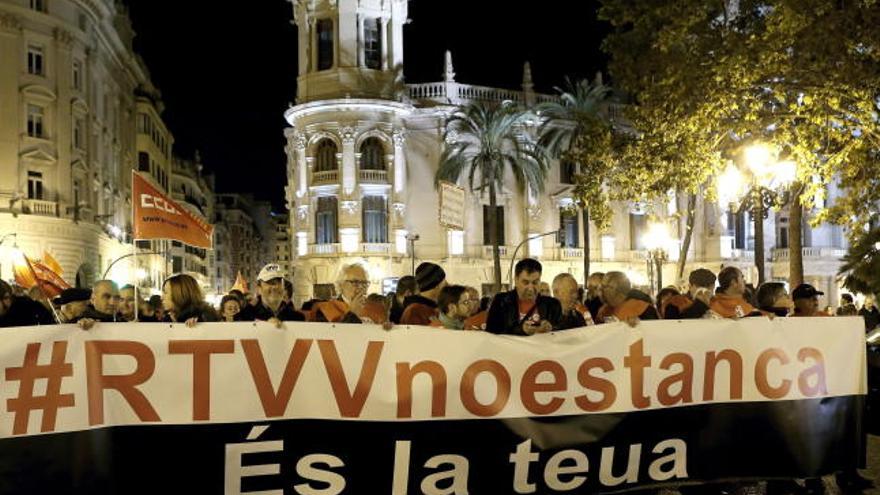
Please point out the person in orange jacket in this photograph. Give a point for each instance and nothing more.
(729, 302)
(622, 302)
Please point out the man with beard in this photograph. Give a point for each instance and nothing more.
(523, 311)
(273, 304)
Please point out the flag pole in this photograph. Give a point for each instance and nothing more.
(137, 282)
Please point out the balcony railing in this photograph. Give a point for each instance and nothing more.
(325, 177)
(455, 93)
(40, 207)
(814, 253)
(373, 176)
(376, 248)
(323, 249)
(568, 253)
(742, 254)
(487, 251)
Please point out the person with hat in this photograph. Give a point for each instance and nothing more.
(806, 301)
(272, 305)
(20, 311)
(74, 302)
(421, 309)
(524, 311)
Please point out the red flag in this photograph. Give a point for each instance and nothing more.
(156, 216)
(29, 273)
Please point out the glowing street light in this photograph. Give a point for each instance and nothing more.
(756, 184)
(658, 242)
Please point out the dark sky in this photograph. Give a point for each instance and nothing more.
(228, 69)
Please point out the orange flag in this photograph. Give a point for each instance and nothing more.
(52, 264)
(30, 273)
(156, 216)
(241, 284)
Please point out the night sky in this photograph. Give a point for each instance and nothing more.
(227, 70)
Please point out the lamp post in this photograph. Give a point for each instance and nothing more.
(412, 238)
(515, 251)
(756, 186)
(657, 243)
(124, 256)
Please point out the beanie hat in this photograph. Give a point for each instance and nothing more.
(429, 275)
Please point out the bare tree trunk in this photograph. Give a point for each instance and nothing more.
(493, 234)
(758, 211)
(688, 234)
(585, 212)
(795, 237)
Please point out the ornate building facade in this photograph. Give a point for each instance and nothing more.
(79, 113)
(363, 151)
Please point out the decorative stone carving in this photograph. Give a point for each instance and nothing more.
(9, 22)
(348, 134)
(300, 141)
(535, 211)
(399, 137)
(451, 137)
(349, 206)
(63, 37)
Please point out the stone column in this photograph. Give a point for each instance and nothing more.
(383, 34)
(399, 137)
(349, 166)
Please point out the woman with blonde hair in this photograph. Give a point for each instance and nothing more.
(183, 301)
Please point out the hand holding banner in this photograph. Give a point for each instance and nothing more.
(156, 216)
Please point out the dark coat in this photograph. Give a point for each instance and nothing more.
(26, 312)
(203, 312)
(264, 313)
(571, 319)
(504, 313)
(93, 314)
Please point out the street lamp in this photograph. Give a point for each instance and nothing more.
(756, 186)
(412, 238)
(521, 244)
(657, 242)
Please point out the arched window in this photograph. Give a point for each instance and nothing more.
(325, 156)
(372, 154)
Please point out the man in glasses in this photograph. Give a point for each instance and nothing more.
(273, 304)
(353, 284)
(454, 303)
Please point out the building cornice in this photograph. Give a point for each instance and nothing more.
(345, 105)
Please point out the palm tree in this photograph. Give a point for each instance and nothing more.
(577, 114)
(484, 141)
(861, 265)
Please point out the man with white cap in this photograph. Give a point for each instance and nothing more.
(272, 305)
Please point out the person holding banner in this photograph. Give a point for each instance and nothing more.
(20, 311)
(574, 314)
(623, 303)
(774, 299)
(422, 309)
(105, 298)
(74, 303)
(272, 305)
(523, 311)
(184, 303)
(806, 301)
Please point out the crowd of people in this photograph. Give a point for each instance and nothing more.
(429, 299)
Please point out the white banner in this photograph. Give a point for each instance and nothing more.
(60, 378)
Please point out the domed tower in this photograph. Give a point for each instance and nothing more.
(349, 48)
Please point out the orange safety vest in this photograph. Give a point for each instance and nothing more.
(477, 322)
(629, 309)
(680, 301)
(726, 306)
(333, 311)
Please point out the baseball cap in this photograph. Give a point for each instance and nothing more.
(68, 296)
(270, 272)
(805, 291)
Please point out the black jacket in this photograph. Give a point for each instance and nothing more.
(417, 299)
(693, 312)
(572, 319)
(504, 317)
(202, 311)
(264, 313)
(93, 314)
(26, 312)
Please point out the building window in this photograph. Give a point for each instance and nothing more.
(375, 213)
(325, 44)
(567, 171)
(568, 224)
(325, 221)
(79, 134)
(325, 156)
(77, 75)
(35, 121)
(487, 241)
(143, 161)
(373, 43)
(38, 5)
(638, 226)
(35, 60)
(35, 185)
(371, 154)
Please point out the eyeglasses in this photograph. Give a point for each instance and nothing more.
(358, 283)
